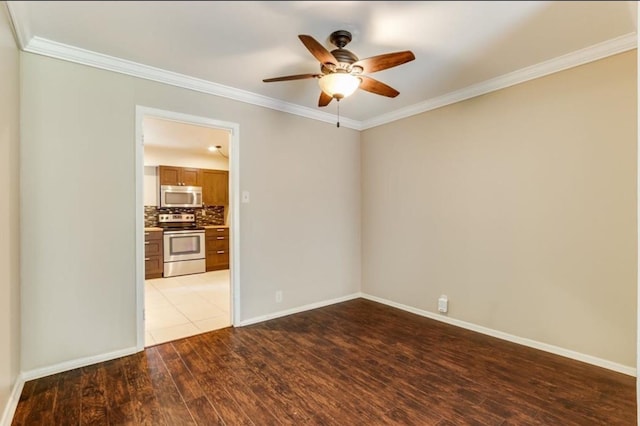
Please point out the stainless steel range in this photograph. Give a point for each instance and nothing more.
(184, 250)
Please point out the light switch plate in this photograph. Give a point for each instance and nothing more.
(245, 196)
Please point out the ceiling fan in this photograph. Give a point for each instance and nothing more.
(342, 73)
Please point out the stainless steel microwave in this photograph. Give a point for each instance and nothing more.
(180, 196)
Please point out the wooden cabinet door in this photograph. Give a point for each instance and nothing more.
(215, 187)
(217, 248)
(153, 256)
(153, 267)
(191, 177)
(183, 176)
(170, 175)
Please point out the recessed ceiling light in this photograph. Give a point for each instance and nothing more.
(212, 148)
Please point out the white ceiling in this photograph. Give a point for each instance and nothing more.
(462, 48)
(188, 137)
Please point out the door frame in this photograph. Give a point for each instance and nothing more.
(234, 206)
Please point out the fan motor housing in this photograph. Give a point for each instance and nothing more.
(344, 56)
(345, 59)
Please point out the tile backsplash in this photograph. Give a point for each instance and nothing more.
(150, 216)
(213, 215)
(210, 215)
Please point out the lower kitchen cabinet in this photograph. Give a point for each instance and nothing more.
(153, 262)
(217, 247)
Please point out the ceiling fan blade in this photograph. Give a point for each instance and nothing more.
(317, 50)
(291, 77)
(374, 86)
(324, 99)
(382, 62)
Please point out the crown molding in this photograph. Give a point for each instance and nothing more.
(69, 53)
(570, 60)
(20, 29)
(62, 51)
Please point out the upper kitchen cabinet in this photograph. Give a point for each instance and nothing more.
(215, 187)
(180, 176)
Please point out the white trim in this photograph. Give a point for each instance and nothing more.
(139, 230)
(66, 52)
(76, 363)
(631, 371)
(12, 403)
(299, 309)
(570, 60)
(19, 27)
(234, 172)
(637, 227)
(234, 203)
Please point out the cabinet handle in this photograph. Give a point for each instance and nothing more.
(220, 252)
(147, 242)
(146, 233)
(219, 238)
(147, 258)
(220, 229)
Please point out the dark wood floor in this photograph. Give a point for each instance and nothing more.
(354, 363)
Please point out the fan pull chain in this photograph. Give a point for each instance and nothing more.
(338, 123)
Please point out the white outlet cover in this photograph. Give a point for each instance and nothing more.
(443, 304)
(245, 196)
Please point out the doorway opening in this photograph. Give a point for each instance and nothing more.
(187, 229)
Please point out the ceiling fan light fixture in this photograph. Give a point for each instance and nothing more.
(339, 85)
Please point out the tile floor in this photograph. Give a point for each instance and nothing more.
(178, 307)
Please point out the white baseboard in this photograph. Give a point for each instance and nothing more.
(299, 309)
(76, 363)
(12, 403)
(610, 365)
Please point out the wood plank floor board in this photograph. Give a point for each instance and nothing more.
(317, 392)
(384, 362)
(553, 368)
(286, 408)
(182, 377)
(203, 412)
(302, 395)
(289, 381)
(334, 386)
(167, 393)
(146, 407)
(389, 374)
(41, 402)
(228, 411)
(360, 381)
(434, 384)
(233, 375)
(357, 362)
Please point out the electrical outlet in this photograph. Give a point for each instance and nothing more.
(443, 304)
(278, 296)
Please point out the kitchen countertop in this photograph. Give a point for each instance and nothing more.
(155, 228)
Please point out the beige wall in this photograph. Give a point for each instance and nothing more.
(520, 205)
(9, 211)
(300, 234)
